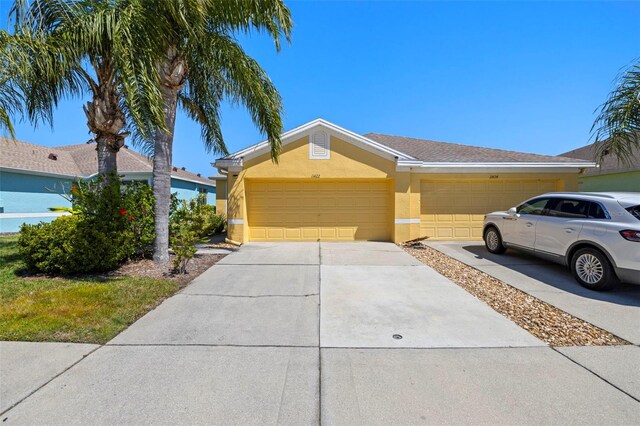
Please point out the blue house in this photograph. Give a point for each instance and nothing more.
(33, 177)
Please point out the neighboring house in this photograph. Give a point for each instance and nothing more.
(333, 184)
(32, 177)
(611, 175)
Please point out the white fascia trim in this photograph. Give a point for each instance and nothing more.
(31, 215)
(334, 130)
(236, 221)
(407, 221)
(212, 184)
(227, 162)
(425, 167)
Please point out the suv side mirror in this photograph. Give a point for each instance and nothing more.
(512, 211)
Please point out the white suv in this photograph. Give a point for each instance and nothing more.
(596, 234)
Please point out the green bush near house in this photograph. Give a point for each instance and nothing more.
(190, 222)
(199, 217)
(109, 223)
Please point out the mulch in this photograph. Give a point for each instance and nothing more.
(546, 322)
(149, 268)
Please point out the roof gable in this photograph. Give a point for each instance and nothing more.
(332, 129)
(609, 164)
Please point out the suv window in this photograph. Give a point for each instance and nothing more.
(596, 211)
(568, 208)
(635, 211)
(534, 207)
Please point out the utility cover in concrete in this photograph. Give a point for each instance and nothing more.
(364, 306)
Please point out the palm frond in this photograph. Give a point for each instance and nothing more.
(616, 129)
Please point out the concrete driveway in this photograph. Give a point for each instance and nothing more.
(309, 333)
(616, 311)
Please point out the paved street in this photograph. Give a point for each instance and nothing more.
(332, 333)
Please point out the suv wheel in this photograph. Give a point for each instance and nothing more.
(493, 241)
(592, 270)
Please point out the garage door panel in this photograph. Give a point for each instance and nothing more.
(299, 211)
(455, 209)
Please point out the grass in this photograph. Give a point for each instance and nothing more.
(85, 309)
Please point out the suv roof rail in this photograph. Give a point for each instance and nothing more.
(608, 195)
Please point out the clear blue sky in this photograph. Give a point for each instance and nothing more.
(511, 75)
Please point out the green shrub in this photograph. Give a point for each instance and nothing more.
(137, 200)
(201, 219)
(110, 223)
(67, 245)
(183, 243)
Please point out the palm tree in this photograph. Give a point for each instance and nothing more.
(67, 47)
(10, 99)
(617, 127)
(202, 64)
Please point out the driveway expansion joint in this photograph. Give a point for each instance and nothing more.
(48, 381)
(596, 374)
(250, 297)
(213, 345)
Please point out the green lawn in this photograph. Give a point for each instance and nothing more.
(80, 309)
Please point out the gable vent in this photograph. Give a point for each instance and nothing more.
(319, 146)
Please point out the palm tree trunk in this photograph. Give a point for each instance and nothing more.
(107, 159)
(162, 154)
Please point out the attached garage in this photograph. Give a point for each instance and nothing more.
(331, 184)
(454, 209)
(308, 210)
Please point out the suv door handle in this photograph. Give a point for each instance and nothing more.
(569, 230)
(529, 224)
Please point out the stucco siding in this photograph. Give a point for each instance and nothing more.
(22, 193)
(347, 163)
(628, 181)
(189, 190)
(31, 195)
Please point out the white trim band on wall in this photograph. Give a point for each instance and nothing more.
(30, 215)
(236, 222)
(407, 221)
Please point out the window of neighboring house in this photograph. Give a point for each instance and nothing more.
(202, 195)
(534, 207)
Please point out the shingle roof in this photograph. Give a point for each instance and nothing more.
(79, 160)
(609, 164)
(446, 152)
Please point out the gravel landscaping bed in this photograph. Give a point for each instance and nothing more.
(548, 323)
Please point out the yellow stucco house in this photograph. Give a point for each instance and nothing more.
(333, 184)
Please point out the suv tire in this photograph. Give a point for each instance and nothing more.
(493, 240)
(592, 269)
